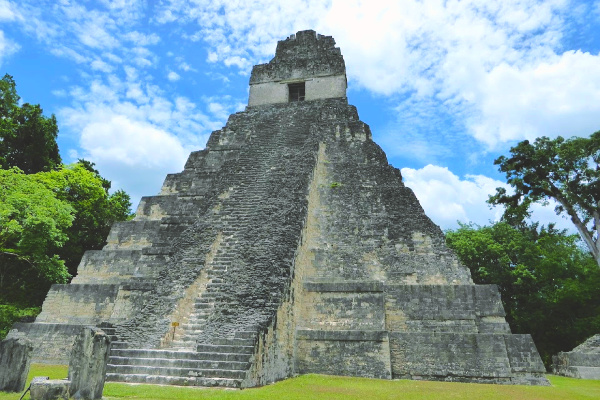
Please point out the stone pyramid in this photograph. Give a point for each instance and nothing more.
(288, 246)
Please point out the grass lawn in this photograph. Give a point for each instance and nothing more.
(317, 387)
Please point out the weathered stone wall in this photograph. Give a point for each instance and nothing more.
(15, 360)
(110, 267)
(444, 308)
(582, 362)
(352, 353)
(304, 57)
(325, 87)
(83, 304)
(87, 364)
(343, 306)
(382, 295)
(449, 356)
(301, 56)
(52, 342)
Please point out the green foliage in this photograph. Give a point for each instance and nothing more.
(335, 185)
(564, 170)
(50, 214)
(47, 221)
(549, 285)
(81, 186)
(9, 314)
(27, 137)
(33, 226)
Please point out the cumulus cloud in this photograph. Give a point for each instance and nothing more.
(499, 63)
(448, 198)
(173, 76)
(133, 132)
(558, 97)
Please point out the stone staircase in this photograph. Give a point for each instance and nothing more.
(192, 358)
(224, 364)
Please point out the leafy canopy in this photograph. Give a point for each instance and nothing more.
(48, 220)
(549, 285)
(96, 209)
(564, 170)
(27, 137)
(50, 214)
(33, 226)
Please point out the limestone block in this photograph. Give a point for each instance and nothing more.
(15, 359)
(465, 357)
(350, 353)
(53, 389)
(87, 304)
(51, 342)
(582, 362)
(87, 368)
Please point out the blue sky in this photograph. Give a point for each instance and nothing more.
(446, 86)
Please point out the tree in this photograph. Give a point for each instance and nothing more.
(564, 170)
(50, 214)
(27, 137)
(95, 210)
(33, 226)
(549, 285)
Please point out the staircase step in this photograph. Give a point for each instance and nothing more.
(247, 334)
(180, 363)
(174, 380)
(236, 341)
(219, 348)
(152, 353)
(175, 371)
(225, 356)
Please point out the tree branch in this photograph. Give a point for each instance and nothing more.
(7, 253)
(581, 228)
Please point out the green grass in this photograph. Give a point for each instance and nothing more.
(320, 387)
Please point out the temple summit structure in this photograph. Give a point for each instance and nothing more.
(287, 246)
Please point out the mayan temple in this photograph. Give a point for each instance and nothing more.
(287, 246)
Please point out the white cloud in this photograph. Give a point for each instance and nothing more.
(499, 62)
(173, 76)
(91, 33)
(133, 132)
(186, 67)
(447, 198)
(7, 47)
(63, 51)
(140, 39)
(557, 97)
(96, 32)
(8, 11)
(218, 110)
(59, 93)
(240, 33)
(100, 65)
(133, 143)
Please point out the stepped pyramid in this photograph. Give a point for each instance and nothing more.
(288, 246)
